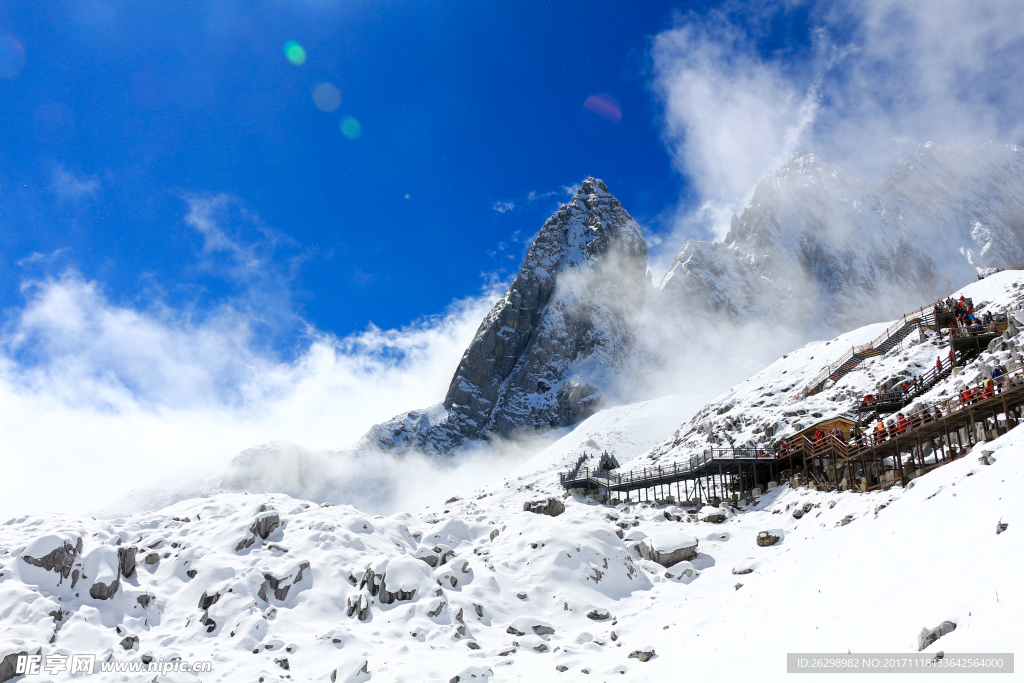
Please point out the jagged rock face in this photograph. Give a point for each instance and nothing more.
(816, 244)
(545, 351)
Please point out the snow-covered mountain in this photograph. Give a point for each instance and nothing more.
(816, 251)
(542, 356)
(817, 246)
(501, 583)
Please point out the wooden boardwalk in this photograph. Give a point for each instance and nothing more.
(925, 439)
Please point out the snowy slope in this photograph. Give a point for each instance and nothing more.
(818, 590)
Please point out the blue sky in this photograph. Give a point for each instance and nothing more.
(125, 113)
(193, 247)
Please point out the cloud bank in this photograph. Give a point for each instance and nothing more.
(98, 398)
(878, 77)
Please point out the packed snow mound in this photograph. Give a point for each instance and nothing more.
(760, 411)
(817, 246)
(543, 354)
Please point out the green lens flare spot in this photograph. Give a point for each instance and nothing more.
(294, 52)
(350, 128)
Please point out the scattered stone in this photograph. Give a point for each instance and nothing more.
(1001, 527)
(479, 610)
(144, 599)
(745, 570)
(494, 534)
(668, 547)
(472, 645)
(521, 595)
(846, 520)
(542, 647)
(929, 636)
(561, 667)
(542, 630)
(738, 586)
(283, 663)
(551, 507)
(265, 523)
(614, 636)
(514, 631)
(765, 539)
(126, 561)
(643, 655)
(986, 458)
(152, 558)
(207, 601)
(598, 614)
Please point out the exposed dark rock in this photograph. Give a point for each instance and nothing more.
(765, 539)
(265, 524)
(104, 591)
(598, 614)
(59, 560)
(207, 601)
(126, 561)
(643, 655)
(129, 642)
(551, 507)
(1001, 526)
(152, 558)
(929, 636)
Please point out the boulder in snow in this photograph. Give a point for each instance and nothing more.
(668, 547)
(770, 537)
(643, 654)
(551, 507)
(929, 636)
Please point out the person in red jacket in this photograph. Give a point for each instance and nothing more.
(938, 364)
(901, 424)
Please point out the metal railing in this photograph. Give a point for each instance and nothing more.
(854, 356)
(802, 445)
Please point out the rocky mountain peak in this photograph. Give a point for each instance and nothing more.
(541, 356)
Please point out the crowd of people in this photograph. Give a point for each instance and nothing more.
(885, 430)
(967, 323)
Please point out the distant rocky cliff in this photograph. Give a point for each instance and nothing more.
(817, 245)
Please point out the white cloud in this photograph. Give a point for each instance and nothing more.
(504, 207)
(883, 76)
(115, 398)
(68, 186)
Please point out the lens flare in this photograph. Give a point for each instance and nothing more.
(605, 106)
(12, 57)
(326, 97)
(294, 52)
(350, 128)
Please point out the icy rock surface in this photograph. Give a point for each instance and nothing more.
(815, 244)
